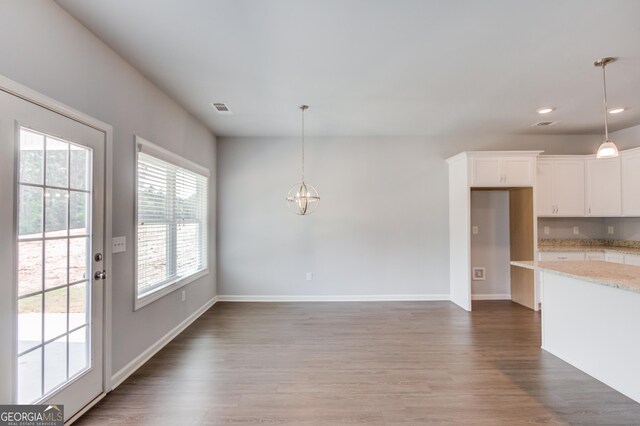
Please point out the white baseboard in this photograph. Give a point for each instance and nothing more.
(145, 356)
(491, 297)
(328, 298)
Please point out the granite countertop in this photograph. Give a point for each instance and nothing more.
(625, 277)
(616, 246)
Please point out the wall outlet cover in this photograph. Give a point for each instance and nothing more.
(547, 231)
(478, 273)
(309, 276)
(474, 230)
(576, 230)
(610, 230)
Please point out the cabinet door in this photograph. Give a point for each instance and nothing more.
(631, 184)
(518, 171)
(544, 189)
(560, 255)
(632, 259)
(568, 187)
(603, 187)
(594, 255)
(614, 257)
(486, 172)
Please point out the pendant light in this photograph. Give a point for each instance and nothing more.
(607, 149)
(303, 198)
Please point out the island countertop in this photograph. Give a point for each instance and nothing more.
(625, 277)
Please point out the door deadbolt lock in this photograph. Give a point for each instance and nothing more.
(100, 275)
(98, 257)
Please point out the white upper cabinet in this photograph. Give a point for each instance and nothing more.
(502, 171)
(560, 187)
(545, 199)
(631, 182)
(604, 192)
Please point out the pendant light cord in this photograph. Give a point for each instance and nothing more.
(302, 108)
(606, 119)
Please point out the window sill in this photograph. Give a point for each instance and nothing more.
(170, 287)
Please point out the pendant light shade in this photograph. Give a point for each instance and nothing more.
(303, 198)
(607, 149)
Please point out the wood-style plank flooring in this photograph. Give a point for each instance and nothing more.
(383, 363)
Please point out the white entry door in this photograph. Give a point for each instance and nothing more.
(51, 257)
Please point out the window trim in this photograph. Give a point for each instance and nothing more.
(143, 145)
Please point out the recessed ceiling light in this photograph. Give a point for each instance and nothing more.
(545, 110)
(616, 110)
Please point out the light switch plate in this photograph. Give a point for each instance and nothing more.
(547, 231)
(118, 244)
(576, 230)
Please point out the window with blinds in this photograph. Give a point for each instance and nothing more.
(172, 213)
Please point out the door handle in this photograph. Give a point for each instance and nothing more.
(100, 275)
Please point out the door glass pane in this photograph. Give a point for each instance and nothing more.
(78, 213)
(55, 313)
(30, 213)
(29, 322)
(31, 157)
(78, 259)
(57, 163)
(79, 162)
(56, 212)
(55, 363)
(30, 376)
(54, 263)
(77, 305)
(55, 259)
(29, 267)
(78, 351)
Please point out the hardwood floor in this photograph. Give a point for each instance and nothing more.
(375, 363)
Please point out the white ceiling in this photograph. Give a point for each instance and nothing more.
(381, 67)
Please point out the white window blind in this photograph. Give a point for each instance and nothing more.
(171, 221)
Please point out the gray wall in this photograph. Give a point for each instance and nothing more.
(590, 228)
(382, 224)
(490, 247)
(47, 50)
(624, 228)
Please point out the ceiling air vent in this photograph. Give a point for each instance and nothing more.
(545, 123)
(222, 108)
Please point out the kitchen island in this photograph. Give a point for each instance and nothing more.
(591, 319)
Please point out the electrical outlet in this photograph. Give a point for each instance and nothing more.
(184, 295)
(309, 276)
(576, 230)
(547, 231)
(474, 230)
(118, 244)
(478, 273)
(610, 230)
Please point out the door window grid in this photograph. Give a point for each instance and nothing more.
(57, 173)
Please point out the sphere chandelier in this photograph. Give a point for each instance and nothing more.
(303, 198)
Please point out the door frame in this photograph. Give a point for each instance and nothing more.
(30, 95)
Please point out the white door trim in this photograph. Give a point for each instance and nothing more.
(37, 98)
